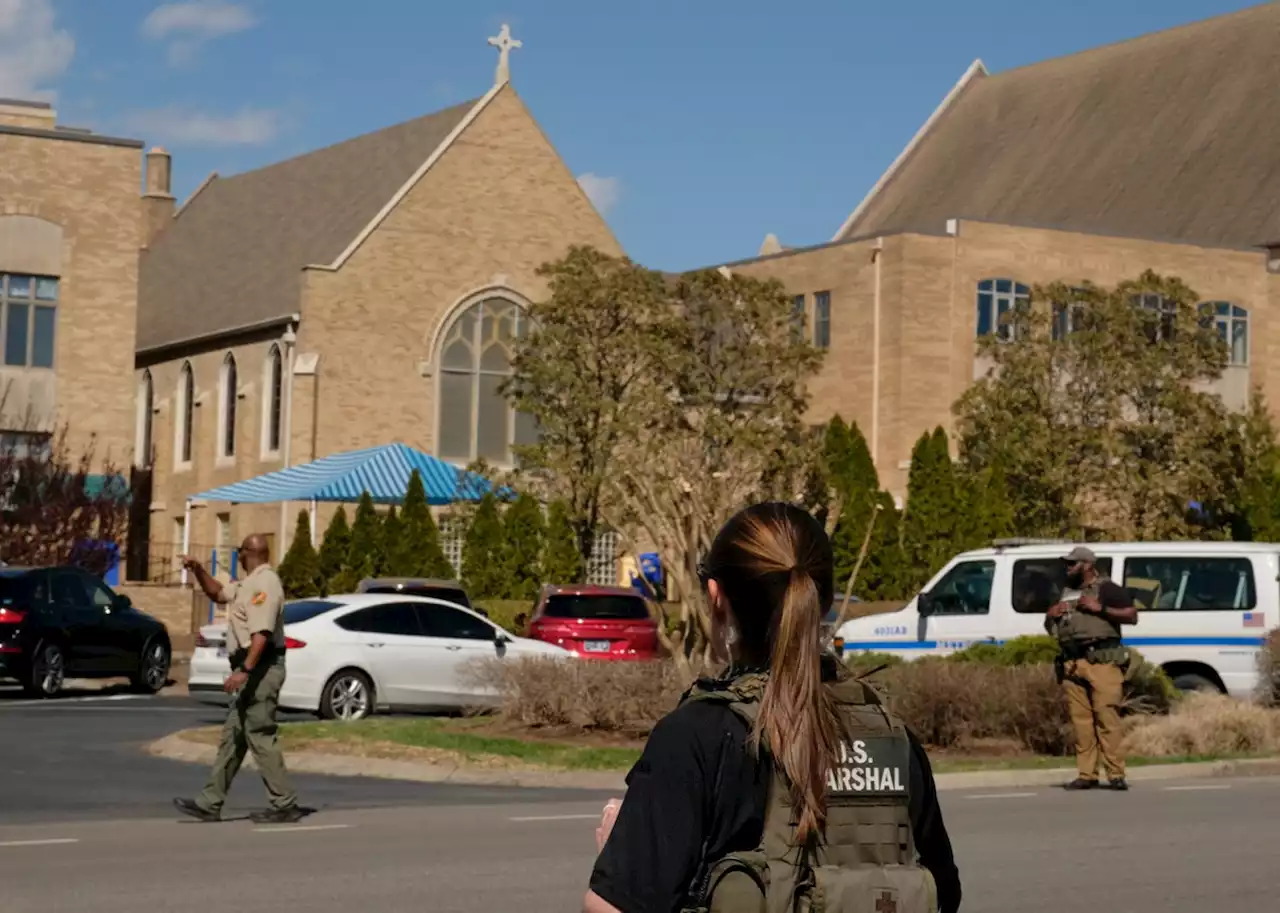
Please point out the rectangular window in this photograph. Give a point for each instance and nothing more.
(1190, 584)
(16, 328)
(822, 320)
(18, 286)
(985, 308)
(492, 417)
(1038, 583)
(455, 416)
(46, 289)
(42, 338)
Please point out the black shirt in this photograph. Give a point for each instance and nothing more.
(673, 804)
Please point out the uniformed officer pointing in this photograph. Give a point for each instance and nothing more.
(256, 648)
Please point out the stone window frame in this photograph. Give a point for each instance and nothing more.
(184, 417)
(228, 401)
(472, 303)
(34, 303)
(144, 436)
(822, 319)
(273, 402)
(993, 302)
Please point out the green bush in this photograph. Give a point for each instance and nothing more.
(482, 549)
(504, 612)
(333, 552)
(1020, 651)
(861, 662)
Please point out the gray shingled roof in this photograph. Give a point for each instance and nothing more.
(234, 256)
(1168, 136)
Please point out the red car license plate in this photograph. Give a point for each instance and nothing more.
(596, 646)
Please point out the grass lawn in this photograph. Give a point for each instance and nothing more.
(478, 743)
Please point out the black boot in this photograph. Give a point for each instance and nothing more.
(195, 810)
(1082, 783)
(290, 815)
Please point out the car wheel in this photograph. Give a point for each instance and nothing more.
(348, 695)
(48, 671)
(153, 668)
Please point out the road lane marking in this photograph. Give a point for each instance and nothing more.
(54, 841)
(1201, 788)
(85, 699)
(1001, 796)
(530, 818)
(294, 828)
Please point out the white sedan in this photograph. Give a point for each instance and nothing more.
(349, 656)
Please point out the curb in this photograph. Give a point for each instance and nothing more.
(176, 748)
(1059, 776)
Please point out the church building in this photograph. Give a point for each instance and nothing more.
(356, 295)
(1153, 153)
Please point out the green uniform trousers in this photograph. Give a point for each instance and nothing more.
(251, 726)
(1094, 692)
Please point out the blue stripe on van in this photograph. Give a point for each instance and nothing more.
(890, 646)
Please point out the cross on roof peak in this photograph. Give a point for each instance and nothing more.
(504, 43)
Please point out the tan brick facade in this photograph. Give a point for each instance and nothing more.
(927, 296)
(69, 210)
(497, 204)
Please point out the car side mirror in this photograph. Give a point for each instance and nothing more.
(121, 602)
(501, 638)
(924, 605)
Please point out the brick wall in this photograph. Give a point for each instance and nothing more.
(171, 604)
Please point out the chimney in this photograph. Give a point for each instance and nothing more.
(157, 202)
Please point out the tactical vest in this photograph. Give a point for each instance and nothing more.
(866, 861)
(1077, 629)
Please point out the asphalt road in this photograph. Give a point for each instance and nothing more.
(1173, 847)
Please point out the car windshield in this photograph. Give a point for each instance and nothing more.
(596, 607)
(304, 609)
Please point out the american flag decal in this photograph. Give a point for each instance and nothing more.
(1255, 619)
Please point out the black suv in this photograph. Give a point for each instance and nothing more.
(64, 622)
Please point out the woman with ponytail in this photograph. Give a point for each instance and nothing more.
(768, 768)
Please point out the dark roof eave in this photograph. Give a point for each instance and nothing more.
(267, 324)
(70, 136)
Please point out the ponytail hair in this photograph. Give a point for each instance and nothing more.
(775, 566)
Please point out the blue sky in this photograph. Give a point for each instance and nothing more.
(703, 124)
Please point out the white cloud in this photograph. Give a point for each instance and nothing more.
(181, 127)
(603, 192)
(186, 26)
(33, 50)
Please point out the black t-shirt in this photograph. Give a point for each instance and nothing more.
(1112, 595)
(673, 804)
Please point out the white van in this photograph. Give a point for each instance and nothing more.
(1205, 608)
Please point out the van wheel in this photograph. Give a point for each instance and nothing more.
(1189, 681)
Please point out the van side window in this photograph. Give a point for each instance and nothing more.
(1190, 584)
(1038, 583)
(965, 589)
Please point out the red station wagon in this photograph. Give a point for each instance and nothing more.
(597, 622)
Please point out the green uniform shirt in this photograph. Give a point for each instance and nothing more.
(255, 604)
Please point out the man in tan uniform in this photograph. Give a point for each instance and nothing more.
(1092, 663)
(256, 646)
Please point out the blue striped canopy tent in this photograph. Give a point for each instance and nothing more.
(382, 471)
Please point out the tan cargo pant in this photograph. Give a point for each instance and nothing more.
(251, 726)
(1094, 692)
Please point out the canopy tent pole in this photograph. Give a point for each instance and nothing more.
(186, 537)
(290, 340)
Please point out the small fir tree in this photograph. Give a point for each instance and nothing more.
(364, 555)
(523, 533)
(561, 560)
(300, 569)
(420, 549)
(393, 549)
(333, 551)
(929, 524)
(482, 551)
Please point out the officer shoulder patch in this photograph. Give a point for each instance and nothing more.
(259, 598)
(873, 766)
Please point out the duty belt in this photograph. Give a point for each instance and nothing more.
(1083, 650)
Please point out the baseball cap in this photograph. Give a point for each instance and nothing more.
(1081, 554)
